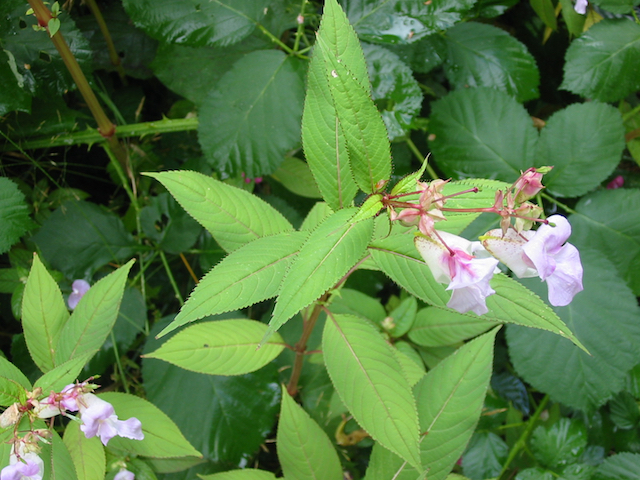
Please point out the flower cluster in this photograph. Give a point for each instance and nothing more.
(467, 267)
(97, 418)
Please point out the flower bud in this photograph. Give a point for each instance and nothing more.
(529, 184)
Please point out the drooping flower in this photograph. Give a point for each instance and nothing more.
(124, 474)
(28, 467)
(528, 185)
(99, 418)
(543, 253)
(462, 265)
(78, 289)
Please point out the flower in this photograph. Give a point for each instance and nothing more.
(581, 6)
(543, 253)
(57, 403)
(99, 418)
(124, 474)
(528, 185)
(28, 467)
(78, 289)
(461, 264)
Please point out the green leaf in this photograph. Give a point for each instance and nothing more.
(617, 6)
(412, 368)
(80, 237)
(296, 177)
(162, 438)
(559, 445)
(584, 381)
(370, 383)
(9, 280)
(624, 410)
(244, 474)
(535, 473)
(394, 90)
(584, 143)
(575, 22)
(11, 392)
(318, 213)
(381, 22)
(437, 15)
(249, 275)
(623, 466)
(224, 347)
(63, 374)
(357, 303)
(403, 317)
(435, 327)
(44, 313)
(94, 317)
(58, 462)
(13, 373)
(481, 55)
(329, 252)
(304, 449)
(601, 63)
(194, 23)
(233, 216)
(482, 132)
(251, 117)
(485, 456)
(546, 11)
(14, 214)
(13, 95)
(602, 224)
(87, 453)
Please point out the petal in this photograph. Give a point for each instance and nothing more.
(469, 299)
(508, 249)
(566, 280)
(433, 253)
(473, 272)
(130, 428)
(124, 474)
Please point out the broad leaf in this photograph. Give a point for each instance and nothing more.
(296, 177)
(233, 216)
(584, 143)
(560, 444)
(481, 55)
(194, 23)
(43, 315)
(617, 6)
(482, 132)
(14, 214)
(162, 438)
(622, 466)
(329, 252)
(244, 474)
(87, 453)
(80, 237)
(246, 276)
(251, 117)
(601, 63)
(13, 373)
(435, 327)
(403, 317)
(584, 381)
(11, 392)
(64, 374)
(224, 347)
(305, 451)
(357, 303)
(94, 317)
(316, 216)
(58, 462)
(484, 457)
(371, 384)
(602, 224)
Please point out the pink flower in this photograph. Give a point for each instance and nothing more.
(528, 185)
(543, 253)
(124, 474)
(463, 265)
(57, 403)
(79, 288)
(99, 418)
(28, 467)
(616, 183)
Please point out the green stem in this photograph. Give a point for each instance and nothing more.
(172, 280)
(412, 146)
(522, 441)
(560, 204)
(91, 136)
(300, 29)
(118, 362)
(630, 113)
(113, 55)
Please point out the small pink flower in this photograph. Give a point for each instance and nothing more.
(616, 183)
(79, 288)
(57, 403)
(28, 467)
(99, 418)
(528, 185)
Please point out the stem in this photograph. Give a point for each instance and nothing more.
(113, 55)
(300, 29)
(412, 146)
(560, 204)
(630, 113)
(105, 127)
(172, 280)
(118, 362)
(189, 269)
(522, 441)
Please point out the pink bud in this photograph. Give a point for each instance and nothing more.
(616, 183)
(528, 185)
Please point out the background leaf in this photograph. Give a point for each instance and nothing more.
(219, 22)
(481, 55)
(584, 143)
(251, 118)
(584, 381)
(13, 96)
(623, 466)
(87, 453)
(14, 214)
(435, 327)
(382, 22)
(601, 63)
(295, 175)
(560, 444)
(482, 132)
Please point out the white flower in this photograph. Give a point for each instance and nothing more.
(99, 418)
(581, 6)
(78, 289)
(124, 474)
(28, 467)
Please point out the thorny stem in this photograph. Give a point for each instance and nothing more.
(113, 55)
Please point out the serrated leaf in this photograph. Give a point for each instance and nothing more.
(559, 445)
(584, 143)
(318, 213)
(617, 6)
(65, 373)
(437, 15)
(296, 177)
(44, 314)
(58, 462)
(624, 410)
(481, 55)
(357, 303)
(403, 317)
(381, 22)
(194, 23)
(233, 216)
(584, 381)
(244, 474)
(304, 449)
(223, 347)
(162, 438)
(600, 223)
(485, 455)
(87, 453)
(369, 209)
(251, 117)
(412, 371)
(13, 373)
(370, 383)
(602, 63)
(246, 276)
(622, 466)
(94, 317)
(14, 214)
(482, 132)
(11, 392)
(329, 252)
(435, 327)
